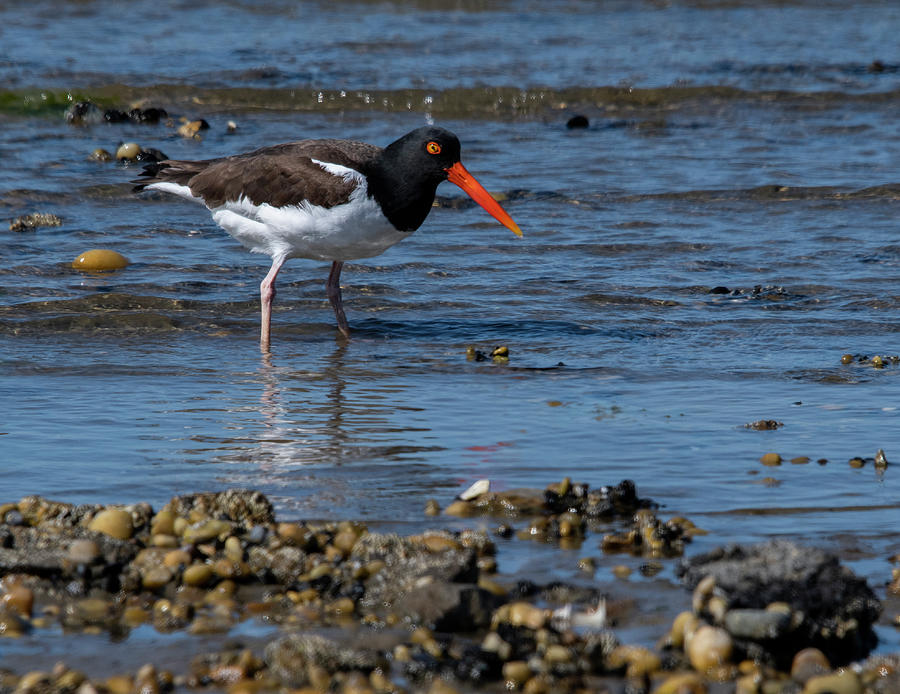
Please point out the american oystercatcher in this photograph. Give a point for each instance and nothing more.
(335, 200)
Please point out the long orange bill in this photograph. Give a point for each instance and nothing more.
(457, 174)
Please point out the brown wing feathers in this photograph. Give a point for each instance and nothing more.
(281, 175)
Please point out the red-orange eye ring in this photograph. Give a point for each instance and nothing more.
(433, 148)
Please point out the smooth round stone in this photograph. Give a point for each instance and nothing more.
(163, 540)
(526, 615)
(100, 260)
(517, 672)
(709, 647)
(460, 508)
(83, 551)
(233, 549)
(163, 523)
(11, 624)
(557, 654)
(18, 599)
(205, 531)
(345, 540)
(809, 663)
(128, 151)
(757, 625)
(176, 558)
(621, 571)
(114, 522)
(639, 661)
(682, 683)
(119, 684)
(156, 577)
(91, 610)
(293, 533)
(683, 626)
(100, 154)
(432, 508)
(842, 682)
(197, 575)
(771, 459)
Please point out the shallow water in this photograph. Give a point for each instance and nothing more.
(750, 146)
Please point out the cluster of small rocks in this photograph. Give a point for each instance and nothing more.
(361, 612)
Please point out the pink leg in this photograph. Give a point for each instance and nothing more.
(266, 294)
(333, 290)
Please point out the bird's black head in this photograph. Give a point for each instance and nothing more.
(427, 152)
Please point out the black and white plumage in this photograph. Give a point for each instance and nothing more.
(334, 200)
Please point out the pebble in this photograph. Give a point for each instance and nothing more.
(771, 459)
(621, 571)
(526, 615)
(18, 599)
(709, 647)
(432, 508)
(128, 151)
(100, 260)
(841, 682)
(757, 625)
(475, 490)
(83, 551)
(682, 683)
(114, 522)
(205, 531)
(516, 673)
(197, 575)
(809, 663)
(100, 154)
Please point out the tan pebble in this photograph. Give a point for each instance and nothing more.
(119, 684)
(843, 681)
(516, 672)
(205, 531)
(197, 575)
(164, 541)
(128, 151)
(846, 358)
(636, 660)
(156, 577)
(526, 615)
(163, 523)
(69, 681)
(557, 654)
(83, 551)
(491, 586)
(345, 540)
(857, 462)
(432, 508)
(748, 684)
(771, 459)
(293, 533)
(319, 571)
(808, 663)
(179, 525)
(192, 129)
(709, 647)
(11, 624)
(717, 606)
(133, 616)
(684, 625)
(682, 683)
(233, 549)
(702, 593)
(878, 361)
(538, 684)
(460, 508)
(18, 599)
(114, 522)
(621, 571)
(800, 460)
(176, 558)
(440, 543)
(32, 680)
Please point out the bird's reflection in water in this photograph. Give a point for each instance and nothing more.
(290, 432)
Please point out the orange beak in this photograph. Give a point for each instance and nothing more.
(457, 174)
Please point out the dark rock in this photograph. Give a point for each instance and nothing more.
(577, 121)
(151, 154)
(147, 115)
(239, 505)
(836, 608)
(289, 656)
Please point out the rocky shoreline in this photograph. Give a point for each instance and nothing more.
(357, 611)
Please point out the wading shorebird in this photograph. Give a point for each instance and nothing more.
(333, 200)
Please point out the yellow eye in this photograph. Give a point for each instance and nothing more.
(433, 148)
